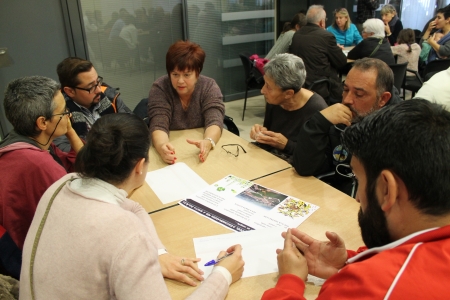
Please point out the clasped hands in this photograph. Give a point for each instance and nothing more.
(185, 269)
(167, 150)
(303, 254)
(262, 135)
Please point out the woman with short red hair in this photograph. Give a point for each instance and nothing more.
(184, 99)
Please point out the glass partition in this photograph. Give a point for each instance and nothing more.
(127, 40)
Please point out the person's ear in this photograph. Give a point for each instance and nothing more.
(41, 123)
(384, 99)
(288, 93)
(139, 168)
(387, 190)
(69, 91)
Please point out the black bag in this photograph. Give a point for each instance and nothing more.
(228, 124)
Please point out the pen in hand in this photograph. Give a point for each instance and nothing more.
(215, 261)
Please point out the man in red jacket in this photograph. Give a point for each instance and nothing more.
(400, 159)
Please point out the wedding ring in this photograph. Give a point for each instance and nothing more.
(182, 261)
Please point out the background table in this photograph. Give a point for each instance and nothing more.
(177, 226)
(253, 164)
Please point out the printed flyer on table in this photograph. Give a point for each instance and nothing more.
(243, 205)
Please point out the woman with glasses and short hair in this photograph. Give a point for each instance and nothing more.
(29, 160)
(345, 32)
(97, 243)
(184, 99)
(288, 105)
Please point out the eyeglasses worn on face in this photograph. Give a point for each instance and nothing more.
(237, 149)
(66, 113)
(92, 88)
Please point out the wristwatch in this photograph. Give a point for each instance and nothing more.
(213, 144)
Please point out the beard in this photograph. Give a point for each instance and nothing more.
(373, 223)
(358, 115)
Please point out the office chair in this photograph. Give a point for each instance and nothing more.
(253, 78)
(431, 68)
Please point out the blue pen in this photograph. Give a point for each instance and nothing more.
(215, 261)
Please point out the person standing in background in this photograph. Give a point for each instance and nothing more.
(365, 9)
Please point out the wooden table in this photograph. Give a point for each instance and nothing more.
(253, 164)
(177, 227)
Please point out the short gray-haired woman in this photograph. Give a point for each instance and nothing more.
(392, 24)
(374, 44)
(288, 106)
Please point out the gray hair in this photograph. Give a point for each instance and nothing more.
(375, 26)
(315, 14)
(287, 71)
(388, 8)
(27, 99)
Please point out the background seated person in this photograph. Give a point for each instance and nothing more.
(440, 48)
(29, 159)
(284, 40)
(436, 90)
(288, 106)
(320, 53)
(374, 45)
(426, 48)
(369, 86)
(124, 257)
(345, 32)
(392, 24)
(87, 97)
(407, 50)
(184, 99)
(404, 219)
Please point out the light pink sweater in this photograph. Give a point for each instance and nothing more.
(94, 249)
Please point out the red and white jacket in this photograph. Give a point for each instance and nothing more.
(414, 267)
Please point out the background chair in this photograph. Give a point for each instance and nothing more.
(431, 68)
(315, 87)
(399, 71)
(253, 78)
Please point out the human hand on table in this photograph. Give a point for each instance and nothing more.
(274, 139)
(233, 263)
(177, 268)
(341, 46)
(256, 131)
(290, 260)
(338, 114)
(324, 258)
(204, 146)
(167, 153)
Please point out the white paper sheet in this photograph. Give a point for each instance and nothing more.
(174, 182)
(258, 249)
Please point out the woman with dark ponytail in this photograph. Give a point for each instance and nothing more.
(97, 243)
(407, 50)
(284, 40)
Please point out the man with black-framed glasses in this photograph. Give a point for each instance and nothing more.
(87, 96)
(29, 161)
